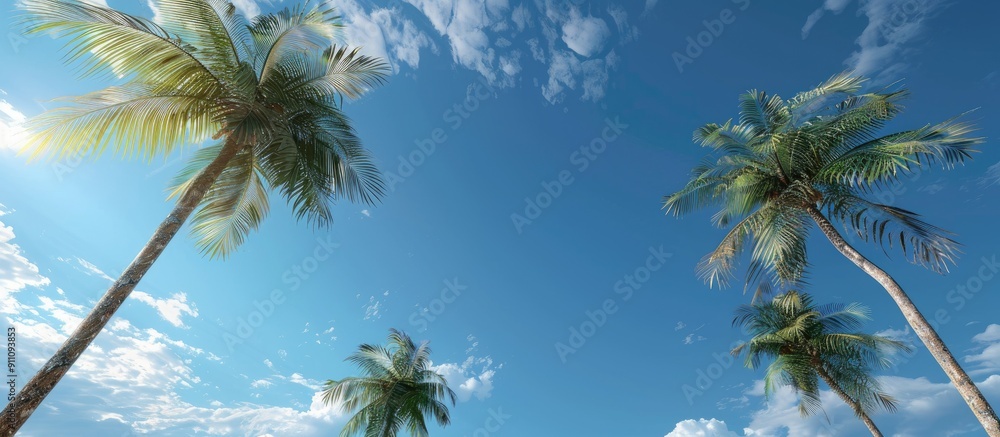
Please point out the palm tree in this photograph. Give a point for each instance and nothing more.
(809, 343)
(398, 389)
(267, 93)
(788, 164)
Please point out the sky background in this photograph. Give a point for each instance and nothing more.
(512, 91)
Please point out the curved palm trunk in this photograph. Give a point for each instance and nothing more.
(19, 410)
(860, 412)
(980, 407)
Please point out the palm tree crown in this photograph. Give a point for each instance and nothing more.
(787, 157)
(266, 96)
(200, 73)
(398, 389)
(805, 340)
(789, 164)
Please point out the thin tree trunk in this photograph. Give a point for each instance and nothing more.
(31, 395)
(860, 412)
(966, 387)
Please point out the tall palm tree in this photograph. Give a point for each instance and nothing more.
(817, 158)
(809, 343)
(399, 388)
(266, 94)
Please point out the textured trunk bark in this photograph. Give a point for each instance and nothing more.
(860, 412)
(31, 395)
(980, 407)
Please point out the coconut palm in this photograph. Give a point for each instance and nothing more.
(399, 388)
(265, 96)
(808, 342)
(817, 159)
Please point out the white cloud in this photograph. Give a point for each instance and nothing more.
(680, 325)
(987, 360)
(650, 4)
(627, 32)
(383, 33)
(131, 379)
(924, 407)
(171, 309)
(835, 6)
(692, 338)
(701, 428)
(91, 269)
(11, 126)
(248, 8)
(585, 35)
(991, 176)
(521, 17)
(261, 383)
(18, 271)
(466, 381)
(883, 44)
(991, 334)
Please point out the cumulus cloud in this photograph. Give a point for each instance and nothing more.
(472, 378)
(566, 71)
(701, 428)
(988, 359)
(481, 37)
(585, 35)
(383, 33)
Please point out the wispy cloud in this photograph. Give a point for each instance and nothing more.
(133, 377)
(171, 309)
(893, 26)
(91, 269)
(18, 271)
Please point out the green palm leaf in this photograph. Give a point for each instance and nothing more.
(398, 391)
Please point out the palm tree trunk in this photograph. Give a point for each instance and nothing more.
(860, 412)
(980, 407)
(31, 395)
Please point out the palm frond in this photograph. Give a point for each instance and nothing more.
(920, 242)
(107, 41)
(290, 31)
(134, 119)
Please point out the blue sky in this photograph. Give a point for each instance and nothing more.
(527, 146)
